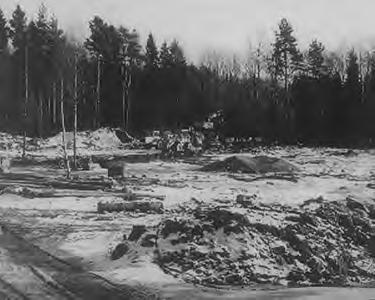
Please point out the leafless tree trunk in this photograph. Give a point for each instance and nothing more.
(97, 106)
(66, 158)
(286, 74)
(75, 113)
(123, 98)
(54, 96)
(126, 99)
(26, 99)
(40, 108)
(128, 83)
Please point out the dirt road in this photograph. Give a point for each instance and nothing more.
(27, 272)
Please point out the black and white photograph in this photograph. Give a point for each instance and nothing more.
(187, 149)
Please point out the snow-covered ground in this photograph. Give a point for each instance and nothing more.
(65, 222)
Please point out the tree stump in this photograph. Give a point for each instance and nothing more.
(4, 165)
(117, 169)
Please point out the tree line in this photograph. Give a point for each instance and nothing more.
(279, 92)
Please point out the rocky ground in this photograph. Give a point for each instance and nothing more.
(182, 229)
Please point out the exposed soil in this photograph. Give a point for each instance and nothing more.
(249, 164)
(308, 225)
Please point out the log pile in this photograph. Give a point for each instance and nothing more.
(131, 206)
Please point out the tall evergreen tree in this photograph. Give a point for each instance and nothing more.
(152, 53)
(18, 37)
(166, 59)
(18, 25)
(286, 56)
(177, 54)
(4, 32)
(104, 40)
(351, 104)
(315, 59)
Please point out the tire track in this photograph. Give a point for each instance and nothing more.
(55, 276)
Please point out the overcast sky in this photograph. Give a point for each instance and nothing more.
(225, 25)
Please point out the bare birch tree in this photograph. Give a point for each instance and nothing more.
(63, 140)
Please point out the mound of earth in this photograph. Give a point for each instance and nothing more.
(249, 164)
(103, 138)
(332, 244)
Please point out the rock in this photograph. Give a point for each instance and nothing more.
(245, 200)
(120, 250)
(137, 232)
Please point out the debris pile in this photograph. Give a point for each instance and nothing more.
(331, 244)
(249, 164)
(181, 144)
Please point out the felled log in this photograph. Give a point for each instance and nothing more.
(141, 206)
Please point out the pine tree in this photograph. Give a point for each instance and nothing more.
(130, 40)
(165, 56)
(17, 34)
(286, 56)
(105, 40)
(315, 59)
(177, 54)
(152, 53)
(4, 32)
(352, 83)
(18, 29)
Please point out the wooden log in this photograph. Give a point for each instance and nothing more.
(142, 206)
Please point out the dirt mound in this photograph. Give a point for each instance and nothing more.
(249, 164)
(103, 138)
(331, 245)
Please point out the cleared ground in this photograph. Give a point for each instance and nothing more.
(60, 217)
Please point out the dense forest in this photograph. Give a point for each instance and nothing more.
(279, 92)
